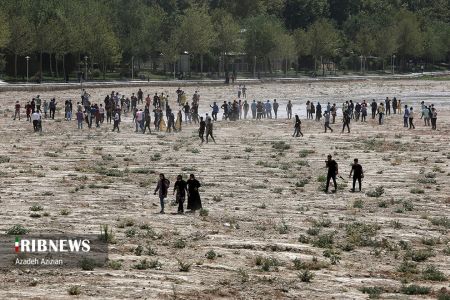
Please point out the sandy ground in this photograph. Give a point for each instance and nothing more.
(264, 207)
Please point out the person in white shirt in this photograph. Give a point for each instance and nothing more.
(138, 120)
(36, 119)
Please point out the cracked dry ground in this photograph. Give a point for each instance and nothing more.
(266, 223)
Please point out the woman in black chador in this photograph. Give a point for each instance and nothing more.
(194, 202)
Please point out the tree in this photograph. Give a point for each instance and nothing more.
(436, 41)
(4, 31)
(171, 50)
(324, 40)
(261, 36)
(228, 34)
(410, 40)
(286, 49)
(386, 41)
(302, 13)
(196, 32)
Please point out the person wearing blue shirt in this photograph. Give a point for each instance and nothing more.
(253, 107)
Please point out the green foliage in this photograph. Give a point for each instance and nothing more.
(414, 289)
(17, 230)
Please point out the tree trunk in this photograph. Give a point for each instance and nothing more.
(174, 71)
(40, 66)
(64, 66)
(15, 66)
(56, 66)
(104, 70)
(50, 64)
(201, 64)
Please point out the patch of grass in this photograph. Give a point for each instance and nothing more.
(313, 231)
(379, 190)
(305, 152)
(419, 255)
(277, 190)
(144, 265)
(4, 159)
(321, 178)
(35, 215)
(280, 146)
(430, 241)
(138, 250)
(324, 241)
(74, 290)
(211, 254)
(373, 291)
(322, 223)
(427, 181)
(180, 244)
(249, 149)
(217, 198)
(441, 221)
(414, 289)
(184, 267)
(282, 228)
(130, 232)
(416, 191)
(204, 212)
(243, 275)
(115, 264)
(107, 157)
(36, 207)
(302, 182)
(195, 151)
(408, 267)
(433, 274)
(155, 157)
(305, 276)
(17, 230)
(87, 264)
(358, 203)
(50, 154)
(361, 234)
(143, 171)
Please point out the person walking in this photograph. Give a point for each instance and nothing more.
(275, 108)
(215, 110)
(346, 121)
(297, 127)
(358, 174)
(36, 119)
(268, 108)
(411, 119)
(380, 112)
(80, 119)
(327, 121)
(180, 187)
(194, 201)
(406, 117)
(333, 171)
(162, 187)
(209, 129)
(253, 107)
(116, 122)
(373, 105)
(201, 130)
(17, 110)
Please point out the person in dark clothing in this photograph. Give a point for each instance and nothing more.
(358, 174)
(346, 121)
(209, 129)
(275, 106)
(147, 119)
(297, 129)
(52, 107)
(394, 105)
(332, 172)
(388, 106)
(180, 187)
(162, 188)
(194, 201)
(225, 110)
(374, 108)
(201, 130)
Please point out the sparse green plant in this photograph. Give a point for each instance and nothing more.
(243, 275)
(321, 178)
(203, 212)
(278, 190)
(432, 273)
(130, 232)
(35, 215)
(211, 254)
(217, 198)
(416, 191)
(361, 234)
(302, 182)
(441, 221)
(396, 224)
(138, 250)
(303, 239)
(358, 203)
(414, 289)
(379, 190)
(87, 264)
(115, 264)
(282, 228)
(17, 230)
(313, 231)
(305, 152)
(407, 267)
(74, 290)
(155, 157)
(50, 154)
(430, 241)
(383, 204)
(446, 250)
(195, 151)
(65, 212)
(248, 149)
(324, 241)
(280, 146)
(372, 291)
(184, 267)
(36, 207)
(180, 244)
(4, 159)
(306, 276)
(419, 255)
(107, 157)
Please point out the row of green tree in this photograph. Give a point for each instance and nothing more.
(111, 32)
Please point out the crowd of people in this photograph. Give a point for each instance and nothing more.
(168, 119)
